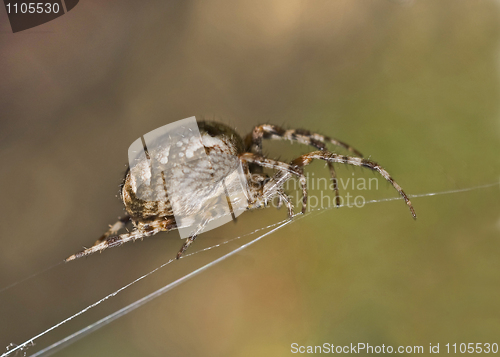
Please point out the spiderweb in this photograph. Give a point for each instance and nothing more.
(13, 349)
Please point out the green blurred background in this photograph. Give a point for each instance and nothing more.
(413, 85)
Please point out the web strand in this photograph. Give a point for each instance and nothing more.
(30, 277)
(127, 309)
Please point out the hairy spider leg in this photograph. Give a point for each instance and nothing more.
(115, 228)
(143, 231)
(253, 141)
(284, 168)
(283, 198)
(192, 238)
(306, 159)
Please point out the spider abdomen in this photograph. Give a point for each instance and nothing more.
(145, 188)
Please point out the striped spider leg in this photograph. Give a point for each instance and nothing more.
(306, 159)
(253, 142)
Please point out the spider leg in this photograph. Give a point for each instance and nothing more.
(284, 199)
(272, 187)
(186, 245)
(333, 175)
(253, 142)
(191, 239)
(356, 161)
(115, 228)
(115, 241)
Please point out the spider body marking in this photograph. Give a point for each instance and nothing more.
(220, 142)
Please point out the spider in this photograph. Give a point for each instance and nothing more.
(150, 216)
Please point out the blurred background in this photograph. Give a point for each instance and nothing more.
(414, 85)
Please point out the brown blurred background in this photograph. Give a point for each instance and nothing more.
(415, 85)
